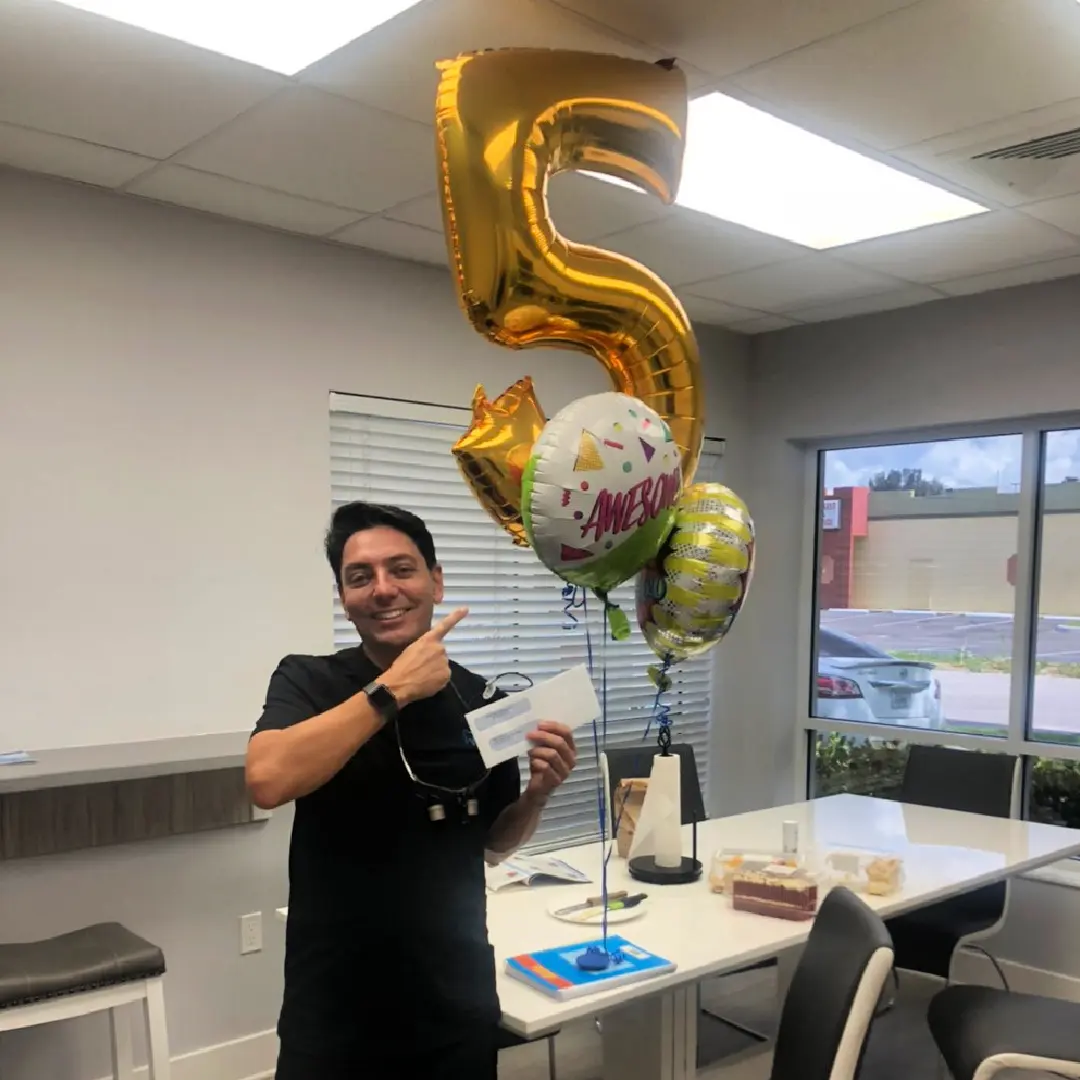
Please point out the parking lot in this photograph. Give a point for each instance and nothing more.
(959, 643)
(1058, 640)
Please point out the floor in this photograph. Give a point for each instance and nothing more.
(900, 1047)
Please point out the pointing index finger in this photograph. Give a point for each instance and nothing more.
(444, 626)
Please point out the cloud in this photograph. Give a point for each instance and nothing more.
(992, 462)
(973, 463)
(838, 473)
(1062, 456)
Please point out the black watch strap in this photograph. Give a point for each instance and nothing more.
(382, 700)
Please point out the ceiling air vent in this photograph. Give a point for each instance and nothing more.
(1061, 144)
(1043, 165)
(1016, 159)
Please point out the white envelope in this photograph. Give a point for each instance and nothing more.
(500, 729)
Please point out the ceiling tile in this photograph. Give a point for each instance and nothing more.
(763, 324)
(1063, 213)
(219, 195)
(964, 157)
(864, 305)
(686, 246)
(929, 69)
(393, 67)
(713, 311)
(722, 38)
(1017, 275)
(396, 238)
(959, 248)
(796, 283)
(71, 73)
(322, 147)
(57, 155)
(584, 208)
(425, 212)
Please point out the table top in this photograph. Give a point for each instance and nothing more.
(945, 853)
(109, 762)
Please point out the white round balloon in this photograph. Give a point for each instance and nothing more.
(599, 491)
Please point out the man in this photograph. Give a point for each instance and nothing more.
(388, 970)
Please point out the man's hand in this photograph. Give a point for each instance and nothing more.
(423, 669)
(552, 757)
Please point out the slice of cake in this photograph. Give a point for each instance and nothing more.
(884, 875)
(726, 864)
(782, 892)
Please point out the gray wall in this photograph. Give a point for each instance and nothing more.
(164, 462)
(999, 355)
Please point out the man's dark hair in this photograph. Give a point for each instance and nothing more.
(355, 517)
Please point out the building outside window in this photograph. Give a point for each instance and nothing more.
(947, 609)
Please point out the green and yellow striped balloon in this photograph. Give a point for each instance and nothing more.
(689, 597)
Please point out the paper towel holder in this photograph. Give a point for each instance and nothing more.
(645, 868)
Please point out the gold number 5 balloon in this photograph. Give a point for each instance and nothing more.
(506, 120)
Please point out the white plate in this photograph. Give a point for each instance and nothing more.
(620, 915)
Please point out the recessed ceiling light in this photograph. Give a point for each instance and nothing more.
(282, 36)
(746, 166)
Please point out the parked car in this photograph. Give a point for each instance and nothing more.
(860, 682)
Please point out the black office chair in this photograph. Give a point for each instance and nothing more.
(980, 1030)
(927, 939)
(507, 1040)
(625, 763)
(830, 1004)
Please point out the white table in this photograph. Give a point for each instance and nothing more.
(650, 1028)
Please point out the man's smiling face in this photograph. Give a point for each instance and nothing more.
(387, 589)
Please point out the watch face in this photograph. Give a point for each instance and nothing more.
(382, 700)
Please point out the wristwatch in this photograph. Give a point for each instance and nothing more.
(382, 700)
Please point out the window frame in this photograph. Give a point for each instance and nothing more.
(1032, 431)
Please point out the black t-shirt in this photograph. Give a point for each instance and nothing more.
(387, 929)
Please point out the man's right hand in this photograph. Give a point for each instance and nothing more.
(423, 669)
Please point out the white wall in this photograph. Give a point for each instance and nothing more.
(164, 381)
(163, 440)
(999, 355)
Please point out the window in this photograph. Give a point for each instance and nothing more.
(853, 765)
(947, 600)
(915, 614)
(1055, 716)
(400, 453)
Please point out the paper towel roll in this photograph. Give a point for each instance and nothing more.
(664, 789)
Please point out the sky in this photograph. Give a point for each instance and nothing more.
(957, 463)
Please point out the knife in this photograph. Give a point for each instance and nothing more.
(593, 901)
(616, 902)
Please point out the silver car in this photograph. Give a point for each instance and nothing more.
(859, 682)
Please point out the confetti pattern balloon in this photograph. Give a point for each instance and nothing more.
(599, 491)
(689, 597)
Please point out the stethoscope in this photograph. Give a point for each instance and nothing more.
(465, 798)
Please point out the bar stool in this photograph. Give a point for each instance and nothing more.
(98, 968)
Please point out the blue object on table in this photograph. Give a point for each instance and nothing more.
(560, 973)
(596, 959)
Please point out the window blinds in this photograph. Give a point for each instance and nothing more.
(399, 453)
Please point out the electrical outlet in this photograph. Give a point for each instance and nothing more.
(251, 933)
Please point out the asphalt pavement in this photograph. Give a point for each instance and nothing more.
(1058, 640)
